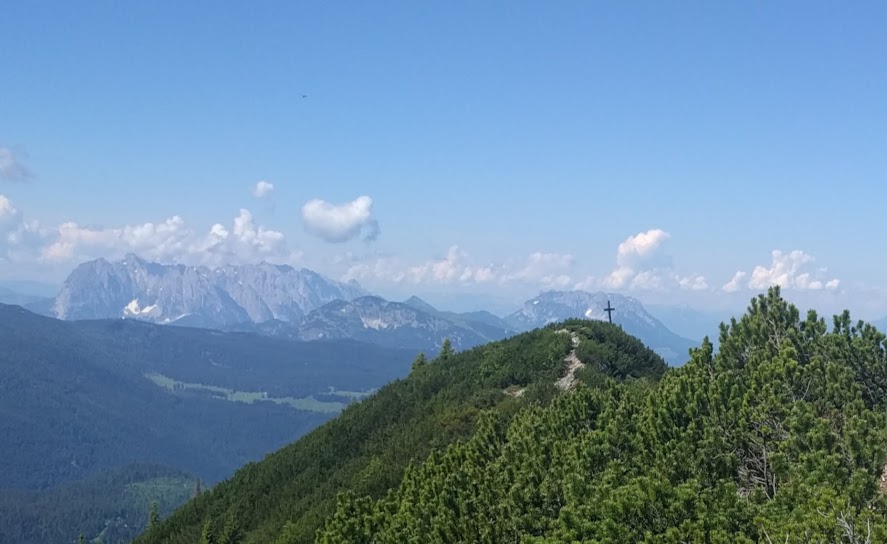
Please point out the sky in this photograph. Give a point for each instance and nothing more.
(687, 153)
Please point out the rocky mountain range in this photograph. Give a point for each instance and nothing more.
(280, 301)
(553, 306)
(379, 321)
(196, 296)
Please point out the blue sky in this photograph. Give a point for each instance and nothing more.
(486, 149)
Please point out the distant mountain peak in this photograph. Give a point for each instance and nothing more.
(132, 257)
(376, 320)
(553, 306)
(210, 297)
(420, 304)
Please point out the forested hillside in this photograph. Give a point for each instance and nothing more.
(778, 438)
(288, 496)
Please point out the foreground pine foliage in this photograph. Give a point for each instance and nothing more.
(780, 437)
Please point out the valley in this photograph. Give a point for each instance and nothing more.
(76, 401)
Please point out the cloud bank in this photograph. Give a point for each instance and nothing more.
(171, 240)
(641, 264)
(641, 260)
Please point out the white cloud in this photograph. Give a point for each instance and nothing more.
(11, 168)
(262, 189)
(640, 246)
(19, 238)
(246, 241)
(787, 270)
(452, 267)
(696, 282)
(636, 259)
(590, 283)
(171, 241)
(642, 264)
(649, 280)
(387, 269)
(542, 267)
(444, 270)
(558, 282)
(340, 222)
(483, 274)
(735, 283)
(619, 277)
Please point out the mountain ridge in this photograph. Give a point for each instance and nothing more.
(279, 300)
(441, 401)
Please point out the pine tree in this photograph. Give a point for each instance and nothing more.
(81, 539)
(154, 515)
(206, 536)
(419, 361)
(229, 530)
(446, 350)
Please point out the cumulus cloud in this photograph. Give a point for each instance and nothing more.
(12, 168)
(337, 223)
(643, 264)
(694, 282)
(443, 270)
(262, 189)
(735, 283)
(787, 270)
(450, 268)
(636, 259)
(384, 268)
(246, 241)
(19, 238)
(171, 241)
(640, 246)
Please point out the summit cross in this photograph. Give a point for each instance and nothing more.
(609, 309)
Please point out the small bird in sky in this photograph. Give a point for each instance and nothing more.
(304, 96)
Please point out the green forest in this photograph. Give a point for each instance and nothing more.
(112, 506)
(780, 436)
